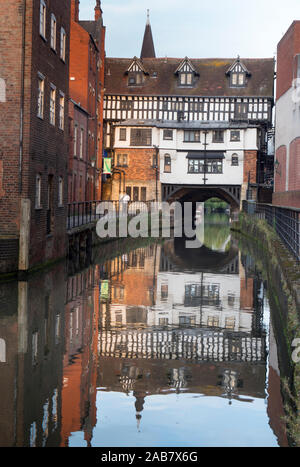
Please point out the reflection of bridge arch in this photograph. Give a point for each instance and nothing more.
(174, 255)
(231, 194)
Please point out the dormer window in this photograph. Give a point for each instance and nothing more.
(186, 73)
(135, 78)
(185, 79)
(238, 78)
(136, 73)
(238, 74)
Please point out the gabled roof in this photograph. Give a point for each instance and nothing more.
(242, 65)
(139, 64)
(213, 80)
(184, 62)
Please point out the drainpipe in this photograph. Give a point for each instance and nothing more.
(22, 96)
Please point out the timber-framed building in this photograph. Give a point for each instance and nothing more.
(161, 113)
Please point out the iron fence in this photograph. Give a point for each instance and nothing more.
(86, 212)
(285, 221)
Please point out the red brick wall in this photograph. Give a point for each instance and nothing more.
(87, 88)
(139, 164)
(250, 160)
(287, 48)
(77, 164)
(294, 165)
(10, 72)
(287, 198)
(45, 147)
(280, 172)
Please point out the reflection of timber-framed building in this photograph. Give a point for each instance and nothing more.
(186, 124)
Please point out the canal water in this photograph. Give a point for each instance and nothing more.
(146, 343)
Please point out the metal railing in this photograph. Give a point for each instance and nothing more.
(85, 212)
(285, 221)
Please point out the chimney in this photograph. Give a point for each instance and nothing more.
(75, 10)
(98, 11)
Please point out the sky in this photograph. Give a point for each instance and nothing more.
(195, 28)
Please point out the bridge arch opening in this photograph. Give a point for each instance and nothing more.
(228, 194)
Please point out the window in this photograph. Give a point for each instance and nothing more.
(135, 78)
(126, 105)
(168, 134)
(62, 111)
(185, 78)
(122, 160)
(196, 106)
(42, 19)
(63, 44)
(52, 104)
(213, 321)
(128, 191)
(81, 143)
(167, 163)
(177, 106)
(241, 110)
(140, 137)
(75, 139)
(53, 32)
(229, 323)
(38, 191)
(235, 135)
(192, 136)
(60, 191)
(2, 90)
(212, 166)
(122, 134)
(143, 193)
(218, 136)
(238, 79)
(234, 159)
(163, 321)
(135, 193)
(41, 88)
(164, 291)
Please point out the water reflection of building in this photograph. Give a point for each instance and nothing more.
(31, 330)
(132, 286)
(80, 357)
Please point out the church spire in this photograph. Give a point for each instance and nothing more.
(148, 50)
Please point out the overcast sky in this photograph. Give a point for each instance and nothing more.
(195, 28)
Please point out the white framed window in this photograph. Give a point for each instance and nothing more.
(60, 191)
(81, 143)
(53, 32)
(75, 139)
(63, 44)
(38, 191)
(41, 91)
(52, 104)
(43, 19)
(61, 111)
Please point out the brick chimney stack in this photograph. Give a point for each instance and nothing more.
(75, 10)
(98, 11)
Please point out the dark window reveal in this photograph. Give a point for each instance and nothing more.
(140, 137)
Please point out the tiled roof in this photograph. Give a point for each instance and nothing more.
(212, 79)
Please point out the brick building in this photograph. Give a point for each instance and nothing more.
(87, 45)
(287, 135)
(34, 83)
(207, 118)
